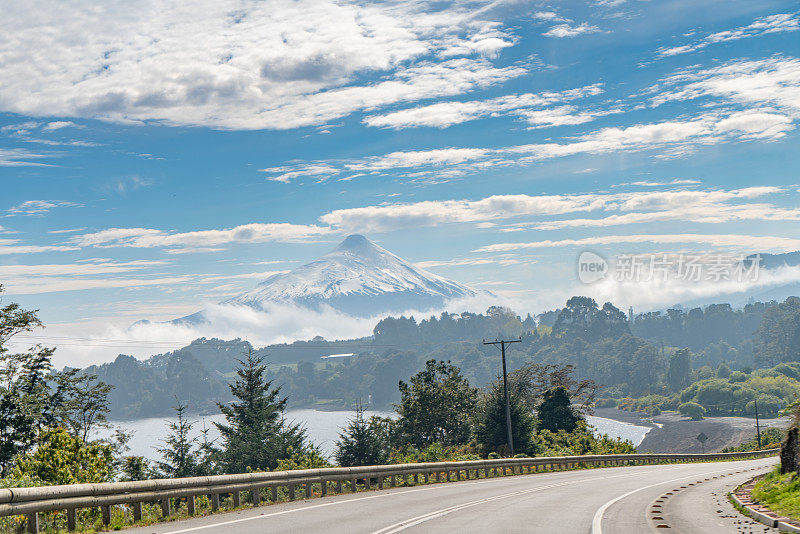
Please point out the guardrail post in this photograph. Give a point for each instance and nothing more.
(273, 493)
(137, 512)
(393, 480)
(323, 488)
(367, 483)
(255, 496)
(353, 487)
(214, 502)
(190, 505)
(237, 499)
(72, 520)
(291, 492)
(309, 490)
(106, 509)
(33, 522)
(339, 486)
(380, 482)
(166, 509)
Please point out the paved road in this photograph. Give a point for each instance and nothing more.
(598, 501)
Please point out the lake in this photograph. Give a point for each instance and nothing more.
(322, 428)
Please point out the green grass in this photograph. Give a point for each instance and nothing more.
(781, 493)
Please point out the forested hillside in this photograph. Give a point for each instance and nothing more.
(631, 359)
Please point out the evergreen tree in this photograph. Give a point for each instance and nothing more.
(255, 435)
(556, 412)
(361, 443)
(679, 372)
(179, 454)
(490, 427)
(207, 454)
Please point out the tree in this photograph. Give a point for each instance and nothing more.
(135, 468)
(532, 380)
(255, 435)
(693, 410)
(26, 401)
(490, 426)
(82, 402)
(179, 455)
(778, 335)
(61, 458)
(556, 412)
(436, 406)
(362, 442)
(679, 372)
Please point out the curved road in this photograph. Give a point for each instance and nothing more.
(623, 500)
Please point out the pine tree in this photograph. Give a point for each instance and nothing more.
(256, 435)
(556, 412)
(179, 453)
(490, 428)
(361, 443)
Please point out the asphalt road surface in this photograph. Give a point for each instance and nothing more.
(687, 498)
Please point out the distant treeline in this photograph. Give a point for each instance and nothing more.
(629, 358)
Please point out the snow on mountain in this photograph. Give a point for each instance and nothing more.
(358, 278)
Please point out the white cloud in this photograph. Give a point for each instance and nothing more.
(767, 82)
(526, 105)
(645, 183)
(431, 213)
(19, 157)
(246, 233)
(276, 323)
(673, 138)
(57, 125)
(728, 241)
(91, 274)
(66, 231)
(710, 206)
(570, 30)
(37, 207)
(783, 22)
(658, 293)
(227, 64)
(466, 262)
(13, 246)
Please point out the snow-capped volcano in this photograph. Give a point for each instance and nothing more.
(358, 278)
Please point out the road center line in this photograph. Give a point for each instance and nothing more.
(382, 495)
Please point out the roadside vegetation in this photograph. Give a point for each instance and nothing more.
(780, 489)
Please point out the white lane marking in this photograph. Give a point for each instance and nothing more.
(408, 523)
(378, 496)
(597, 526)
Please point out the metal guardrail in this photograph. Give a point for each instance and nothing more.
(31, 501)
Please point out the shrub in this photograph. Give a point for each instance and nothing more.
(605, 403)
(693, 410)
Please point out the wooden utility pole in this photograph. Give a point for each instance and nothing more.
(502, 344)
(758, 427)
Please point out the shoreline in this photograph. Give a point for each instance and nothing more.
(673, 433)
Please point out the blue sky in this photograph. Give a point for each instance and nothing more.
(155, 157)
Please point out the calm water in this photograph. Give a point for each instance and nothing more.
(321, 427)
(618, 429)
